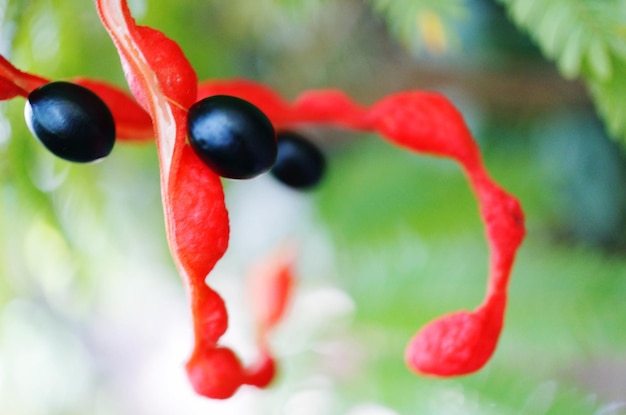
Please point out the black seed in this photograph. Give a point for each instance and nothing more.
(232, 136)
(70, 121)
(299, 164)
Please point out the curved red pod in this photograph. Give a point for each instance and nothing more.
(326, 106)
(423, 122)
(193, 199)
(164, 83)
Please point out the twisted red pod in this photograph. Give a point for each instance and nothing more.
(456, 344)
(165, 85)
(424, 122)
(329, 106)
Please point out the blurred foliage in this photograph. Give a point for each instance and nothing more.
(586, 39)
(82, 247)
(423, 23)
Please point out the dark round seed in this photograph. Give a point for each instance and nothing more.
(232, 136)
(70, 121)
(299, 164)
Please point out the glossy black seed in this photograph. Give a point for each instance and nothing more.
(299, 164)
(232, 136)
(70, 121)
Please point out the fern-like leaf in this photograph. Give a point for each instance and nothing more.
(586, 39)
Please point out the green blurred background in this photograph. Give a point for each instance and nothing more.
(93, 316)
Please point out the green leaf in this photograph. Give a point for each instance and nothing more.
(525, 11)
(610, 96)
(570, 60)
(551, 28)
(599, 59)
(587, 40)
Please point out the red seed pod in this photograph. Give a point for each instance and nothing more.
(165, 85)
(196, 217)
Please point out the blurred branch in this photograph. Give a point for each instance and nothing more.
(535, 88)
